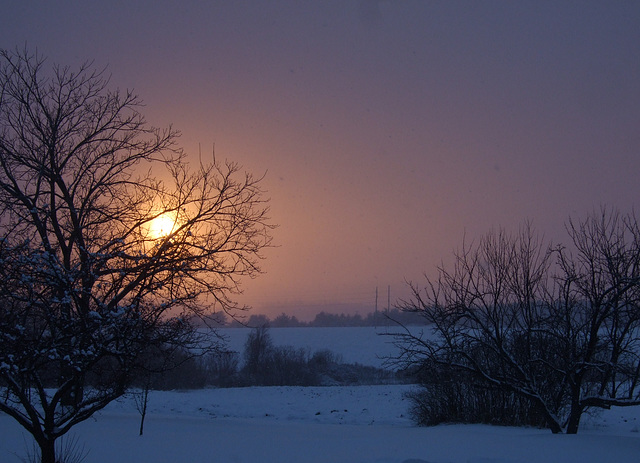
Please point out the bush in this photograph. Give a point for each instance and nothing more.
(453, 397)
(332, 371)
(186, 373)
(287, 366)
(263, 365)
(221, 369)
(269, 365)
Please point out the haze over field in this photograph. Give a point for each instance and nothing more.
(388, 129)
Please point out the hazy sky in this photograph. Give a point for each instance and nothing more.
(388, 129)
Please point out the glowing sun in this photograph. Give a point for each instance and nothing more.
(163, 225)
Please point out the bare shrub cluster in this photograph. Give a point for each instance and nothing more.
(263, 364)
(448, 396)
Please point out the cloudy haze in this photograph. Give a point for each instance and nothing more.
(388, 130)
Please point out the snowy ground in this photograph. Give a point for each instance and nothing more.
(330, 425)
(364, 424)
(365, 345)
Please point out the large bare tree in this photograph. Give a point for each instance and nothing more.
(110, 243)
(557, 326)
(596, 313)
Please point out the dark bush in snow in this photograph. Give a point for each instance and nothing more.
(270, 365)
(221, 368)
(453, 397)
(264, 364)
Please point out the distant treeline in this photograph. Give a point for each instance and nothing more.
(324, 319)
(263, 363)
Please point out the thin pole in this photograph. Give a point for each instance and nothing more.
(388, 299)
(375, 314)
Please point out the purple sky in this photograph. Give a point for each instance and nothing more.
(389, 129)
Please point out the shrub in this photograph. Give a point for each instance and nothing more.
(453, 397)
(221, 368)
(288, 366)
(186, 374)
(269, 365)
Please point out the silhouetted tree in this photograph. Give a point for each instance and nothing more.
(257, 320)
(257, 349)
(285, 321)
(559, 326)
(88, 283)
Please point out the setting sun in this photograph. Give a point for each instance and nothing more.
(163, 225)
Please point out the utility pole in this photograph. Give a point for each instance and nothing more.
(375, 314)
(388, 299)
(386, 322)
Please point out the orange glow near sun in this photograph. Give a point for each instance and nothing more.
(163, 225)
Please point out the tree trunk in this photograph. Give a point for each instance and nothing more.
(552, 422)
(575, 413)
(47, 451)
(145, 401)
(554, 426)
(574, 419)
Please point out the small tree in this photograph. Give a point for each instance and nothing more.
(257, 350)
(109, 244)
(563, 333)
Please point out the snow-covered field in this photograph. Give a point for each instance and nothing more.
(364, 345)
(322, 424)
(329, 425)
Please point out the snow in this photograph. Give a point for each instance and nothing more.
(367, 424)
(365, 345)
(356, 424)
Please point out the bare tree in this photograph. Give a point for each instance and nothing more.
(561, 333)
(257, 349)
(597, 314)
(109, 243)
